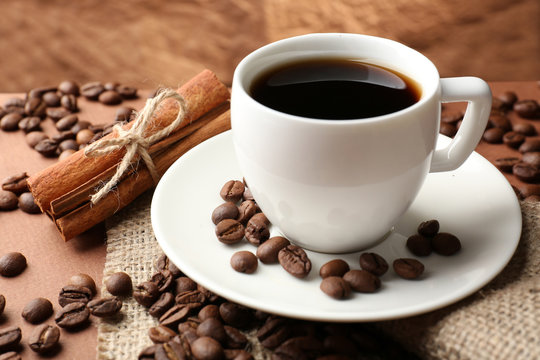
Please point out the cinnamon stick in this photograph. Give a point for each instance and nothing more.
(202, 93)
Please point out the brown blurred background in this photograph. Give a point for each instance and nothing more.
(149, 43)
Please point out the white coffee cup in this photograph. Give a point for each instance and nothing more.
(340, 186)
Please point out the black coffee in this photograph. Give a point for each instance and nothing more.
(334, 89)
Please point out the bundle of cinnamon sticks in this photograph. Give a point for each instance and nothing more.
(63, 190)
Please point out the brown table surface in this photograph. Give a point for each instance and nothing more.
(51, 261)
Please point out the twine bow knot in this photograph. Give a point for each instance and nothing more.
(134, 140)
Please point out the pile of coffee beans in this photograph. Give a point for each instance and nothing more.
(15, 194)
(429, 239)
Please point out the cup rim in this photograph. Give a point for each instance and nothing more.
(238, 83)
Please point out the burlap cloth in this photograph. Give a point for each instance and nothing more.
(501, 321)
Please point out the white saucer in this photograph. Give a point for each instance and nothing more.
(475, 203)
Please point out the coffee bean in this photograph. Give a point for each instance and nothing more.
(187, 297)
(35, 107)
(51, 99)
(161, 305)
(274, 331)
(224, 211)
(30, 123)
(526, 172)
(8, 200)
(160, 334)
(44, 338)
(10, 337)
(336, 267)
(408, 268)
(295, 261)
(235, 315)
(10, 355)
(105, 307)
(532, 158)
(234, 338)
(419, 245)
(209, 311)
(213, 328)
(127, 92)
(92, 90)
(148, 353)
(500, 121)
(339, 344)
(119, 284)
(301, 347)
(362, 281)
(190, 324)
(513, 139)
(527, 190)
(62, 136)
(124, 114)
(110, 97)
(447, 129)
(84, 280)
(232, 191)
(2, 304)
(335, 287)
(72, 315)
(67, 122)
(14, 102)
(111, 85)
(57, 113)
(69, 87)
(374, 263)
(162, 279)
(524, 128)
(268, 251)
(84, 136)
(46, 147)
(246, 210)
(244, 262)
(257, 229)
(69, 102)
(12, 264)
(32, 138)
(528, 109)
(16, 183)
(506, 164)
(10, 122)
(428, 228)
(451, 117)
(28, 204)
(247, 195)
(40, 91)
(37, 310)
(210, 296)
(74, 294)
(183, 284)
(229, 231)
(65, 154)
(176, 314)
(146, 293)
(508, 98)
(206, 348)
(172, 350)
(445, 244)
(237, 354)
(493, 135)
(81, 125)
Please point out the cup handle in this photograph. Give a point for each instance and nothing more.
(478, 95)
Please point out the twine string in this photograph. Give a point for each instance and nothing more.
(134, 142)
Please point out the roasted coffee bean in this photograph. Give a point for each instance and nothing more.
(10, 337)
(51, 99)
(336, 287)
(513, 139)
(163, 280)
(374, 263)
(111, 85)
(206, 348)
(451, 117)
(506, 164)
(35, 107)
(14, 102)
(257, 229)
(34, 137)
(46, 147)
(508, 99)
(69, 87)
(81, 125)
(213, 328)
(2, 304)
(532, 158)
(295, 261)
(16, 183)
(74, 294)
(268, 251)
(124, 114)
(224, 211)
(161, 305)
(37, 310)
(187, 297)
(188, 325)
(237, 354)
(209, 311)
(172, 350)
(500, 121)
(92, 90)
(148, 353)
(119, 284)
(274, 331)
(362, 281)
(493, 135)
(30, 123)
(57, 113)
(68, 144)
(84, 136)
(244, 262)
(8, 200)
(44, 338)
(84, 280)
(176, 314)
(67, 122)
(229, 231)
(65, 154)
(105, 307)
(12, 264)
(428, 228)
(527, 190)
(300, 348)
(232, 191)
(446, 244)
(110, 97)
(210, 296)
(419, 245)
(183, 284)
(235, 315)
(28, 204)
(10, 122)
(96, 137)
(69, 102)
(447, 129)
(247, 195)
(160, 334)
(234, 338)
(39, 92)
(524, 128)
(528, 109)
(526, 172)
(336, 267)
(72, 315)
(146, 293)
(408, 268)
(10, 355)
(246, 210)
(530, 145)
(127, 92)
